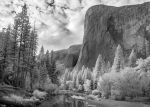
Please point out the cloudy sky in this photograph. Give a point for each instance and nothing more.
(60, 26)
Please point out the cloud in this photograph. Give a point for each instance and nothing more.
(58, 28)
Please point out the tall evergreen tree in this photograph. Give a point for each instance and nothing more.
(43, 75)
(14, 49)
(147, 47)
(99, 70)
(20, 19)
(5, 51)
(19, 48)
(47, 60)
(41, 56)
(21, 39)
(118, 60)
(32, 54)
(132, 59)
(52, 71)
(108, 67)
(7, 45)
(99, 67)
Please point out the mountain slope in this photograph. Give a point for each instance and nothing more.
(108, 26)
(67, 57)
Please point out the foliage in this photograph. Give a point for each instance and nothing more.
(117, 82)
(118, 60)
(105, 84)
(39, 94)
(70, 85)
(132, 59)
(98, 67)
(87, 85)
(18, 52)
(127, 83)
(43, 75)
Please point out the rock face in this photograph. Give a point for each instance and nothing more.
(68, 57)
(108, 26)
(72, 56)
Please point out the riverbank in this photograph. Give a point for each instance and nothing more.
(86, 99)
(113, 103)
(13, 96)
(106, 102)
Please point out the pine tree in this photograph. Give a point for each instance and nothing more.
(31, 59)
(108, 67)
(6, 46)
(43, 75)
(22, 35)
(47, 60)
(19, 48)
(132, 59)
(99, 68)
(5, 50)
(118, 60)
(41, 56)
(77, 82)
(14, 48)
(147, 47)
(52, 71)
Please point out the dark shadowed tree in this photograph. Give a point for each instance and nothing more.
(5, 51)
(52, 71)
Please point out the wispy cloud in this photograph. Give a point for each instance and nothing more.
(57, 28)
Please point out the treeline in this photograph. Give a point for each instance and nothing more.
(20, 66)
(123, 79)
(46, 66)
(18, 49)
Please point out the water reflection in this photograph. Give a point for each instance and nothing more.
(65, 101)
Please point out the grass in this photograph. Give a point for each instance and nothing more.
(138, 102)
(113, 103)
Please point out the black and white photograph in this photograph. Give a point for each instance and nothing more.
(74, 53)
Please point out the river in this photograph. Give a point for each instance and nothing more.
(66, 101)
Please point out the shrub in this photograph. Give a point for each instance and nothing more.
(87, 85)
(39, 94)
(104, 85)
(126, 83)
(70, 85)
(96, 92)
(145, 83)
(118, 85)
(80, 88)
(63, 86)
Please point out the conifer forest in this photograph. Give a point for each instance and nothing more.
(45, 61)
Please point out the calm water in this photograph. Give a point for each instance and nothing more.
(66, 101)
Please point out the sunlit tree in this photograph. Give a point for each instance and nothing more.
(132, 58)
(118, 63)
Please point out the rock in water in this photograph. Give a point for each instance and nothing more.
(108, 26)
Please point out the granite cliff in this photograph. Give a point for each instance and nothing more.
(106, 26)
(67, 57)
